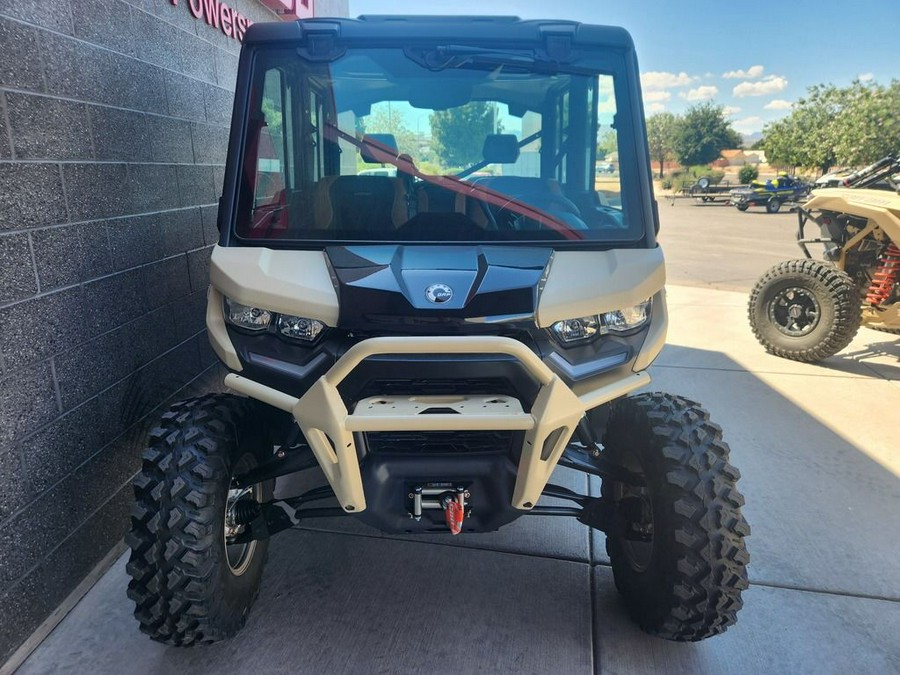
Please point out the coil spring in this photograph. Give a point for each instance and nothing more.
(885, 276)
(246, 511)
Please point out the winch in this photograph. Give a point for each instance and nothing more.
(452, 499)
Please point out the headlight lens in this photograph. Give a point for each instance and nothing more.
(299, 328)
(577, 330)
(573, 331)
(249, 318)
(623, 320)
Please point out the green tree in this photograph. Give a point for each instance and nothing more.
(385, 120)
(747, 173)
(607, 143)
(806, 136)
(868, 127)
(661, 129)
(703, 133)
(831, 126)
(458, 133)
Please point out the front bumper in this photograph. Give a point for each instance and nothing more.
(329, 427)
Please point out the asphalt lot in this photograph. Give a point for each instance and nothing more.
(714, 245)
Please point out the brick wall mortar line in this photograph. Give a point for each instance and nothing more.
(81, 285)
(75, 38)
(62, 162)
(9, 136)
(65, 194)
(124, 431)
(74, 531)
(5, 233)
(37, 279)
(56, 390)
(97, 104)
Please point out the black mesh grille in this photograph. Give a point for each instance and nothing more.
(438, 387)
(439, 442)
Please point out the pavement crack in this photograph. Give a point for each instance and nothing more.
(824, 591)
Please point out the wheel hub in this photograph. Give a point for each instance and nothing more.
(794, 311)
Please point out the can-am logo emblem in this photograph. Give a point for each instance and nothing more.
(438, 293)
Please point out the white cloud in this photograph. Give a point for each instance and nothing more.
(865, 77)
(770, 85)
(748, 125)
(656, 107)
(658, 81)
(654, 96)
(778, 104)
(702, 93)
(731, 110)
(751, 73)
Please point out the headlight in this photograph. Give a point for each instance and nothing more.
(299, 328)
(573, 331)
(249, 318)
(577, 330)
(624, 320)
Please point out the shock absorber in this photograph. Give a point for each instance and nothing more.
(887, 274)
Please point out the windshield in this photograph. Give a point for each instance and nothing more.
(446, 144)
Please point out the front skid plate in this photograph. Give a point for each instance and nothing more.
(329, 427)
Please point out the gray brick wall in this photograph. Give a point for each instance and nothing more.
(113, 130)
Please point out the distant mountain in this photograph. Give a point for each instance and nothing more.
(750, 139)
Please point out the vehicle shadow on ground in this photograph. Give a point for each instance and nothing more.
(823, 515)
(881, 358)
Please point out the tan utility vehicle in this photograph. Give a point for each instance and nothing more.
(438, 339)
(807, 310)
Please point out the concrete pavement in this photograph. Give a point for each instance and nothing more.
(822, 480)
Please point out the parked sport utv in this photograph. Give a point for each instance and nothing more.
(808, 310)
(437, 341)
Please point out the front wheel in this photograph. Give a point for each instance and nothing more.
(773, 205)
(682, 563)
(804, 310)
(190, 585)
(742, 207)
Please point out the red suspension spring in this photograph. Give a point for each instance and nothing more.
(887, 274)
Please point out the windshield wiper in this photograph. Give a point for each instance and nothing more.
(443, 57)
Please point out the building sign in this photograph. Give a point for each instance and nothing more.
(233, 24)
(290, 10)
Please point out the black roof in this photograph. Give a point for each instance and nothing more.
(497, 30)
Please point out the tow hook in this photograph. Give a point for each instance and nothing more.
(455, 510)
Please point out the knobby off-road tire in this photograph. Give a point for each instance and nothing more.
(882, 329)
(806, 283)
(685, 583)
(184, 588)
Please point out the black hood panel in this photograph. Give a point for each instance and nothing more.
(375, 283)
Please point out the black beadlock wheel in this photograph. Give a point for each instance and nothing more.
(682, 582)
(188, 584)
(804, 310)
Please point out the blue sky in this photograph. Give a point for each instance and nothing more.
(754, 58)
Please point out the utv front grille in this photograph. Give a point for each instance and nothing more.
(440, 442)
(437, 387)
